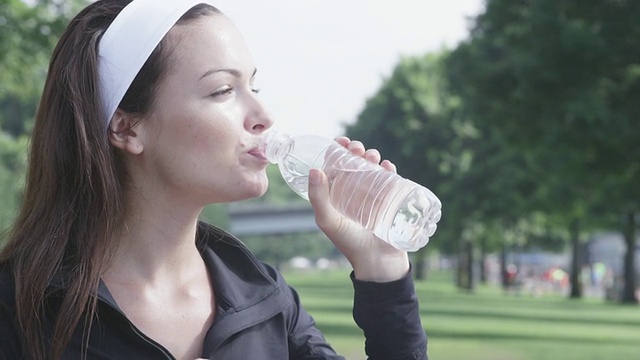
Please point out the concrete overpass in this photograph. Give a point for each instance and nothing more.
(269, 219)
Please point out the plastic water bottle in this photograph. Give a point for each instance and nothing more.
(396, 210)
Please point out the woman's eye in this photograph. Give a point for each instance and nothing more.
(221, 92)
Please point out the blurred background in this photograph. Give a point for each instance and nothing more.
(522, 116)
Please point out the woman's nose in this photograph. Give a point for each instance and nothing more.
(258, 118)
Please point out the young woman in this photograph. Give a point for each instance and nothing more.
(148, 114)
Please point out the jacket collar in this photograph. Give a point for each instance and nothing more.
(245, 292)
(232, 266)
(240, 280)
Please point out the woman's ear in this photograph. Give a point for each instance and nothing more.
(123, 133)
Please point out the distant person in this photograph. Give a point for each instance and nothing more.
(511, 279)
(149, 113)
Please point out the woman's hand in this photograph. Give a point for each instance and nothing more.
(371, 258)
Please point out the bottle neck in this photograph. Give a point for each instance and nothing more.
(276, 146)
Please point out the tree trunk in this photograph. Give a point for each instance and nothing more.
(629, 231)
(465, 266)
(471, 284)
(574, 276)
(420, 265)
(460, 270)
(482, 261)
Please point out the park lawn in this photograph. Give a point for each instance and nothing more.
(485, 325)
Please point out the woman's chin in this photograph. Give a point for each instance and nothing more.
(259, 189)
(260, 192)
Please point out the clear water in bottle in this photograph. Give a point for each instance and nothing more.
(397, 210)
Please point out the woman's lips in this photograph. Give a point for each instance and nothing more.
(258, 152)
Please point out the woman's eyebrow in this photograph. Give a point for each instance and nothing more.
(233, 72)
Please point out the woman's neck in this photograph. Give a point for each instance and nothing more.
(157, 242)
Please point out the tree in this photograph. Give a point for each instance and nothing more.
(414, 122)
(559, 81)
(12, 170)
(29, 33)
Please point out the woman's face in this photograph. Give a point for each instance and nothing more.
(201, 135)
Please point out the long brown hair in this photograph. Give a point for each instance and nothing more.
(73, 202)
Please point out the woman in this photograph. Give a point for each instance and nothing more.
(144, 120)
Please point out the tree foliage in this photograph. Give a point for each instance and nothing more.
(28, 32)
(530, 125)
(409, 120)
(559, 80)
(12, 170)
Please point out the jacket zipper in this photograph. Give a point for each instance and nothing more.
(150, 341)
(137, 331)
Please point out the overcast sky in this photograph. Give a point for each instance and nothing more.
(319, 60)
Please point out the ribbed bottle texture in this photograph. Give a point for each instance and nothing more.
(397, 210)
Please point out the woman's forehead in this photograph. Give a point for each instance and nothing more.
(210, 41)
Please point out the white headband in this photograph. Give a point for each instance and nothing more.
(129, 41)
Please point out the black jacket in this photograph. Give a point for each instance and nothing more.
(258, 317)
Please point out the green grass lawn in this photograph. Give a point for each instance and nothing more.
(486, 325)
